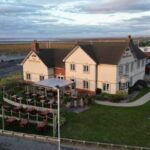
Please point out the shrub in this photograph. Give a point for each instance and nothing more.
(67, 99)
(112, 97)
(141, 84)
(117, 97)
(62, 120)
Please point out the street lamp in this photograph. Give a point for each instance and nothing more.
(3, 111)
(58, 115)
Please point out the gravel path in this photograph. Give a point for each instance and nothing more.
(139, 102)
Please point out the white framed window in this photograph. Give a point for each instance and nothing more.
(143, 62)
(132, 66)
(41, 77)
(121, 69)
(123, 86)
(85, 68)
(127, 68)
(60, 77)
(72, 67)
(106, 87)
(73, 84)
(138, 64)
(28, 76)
(85, 84)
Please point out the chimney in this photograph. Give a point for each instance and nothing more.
(35, 46)
(130, 38)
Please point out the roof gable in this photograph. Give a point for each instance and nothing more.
(29, 54)
(136, 51)
(83, 49)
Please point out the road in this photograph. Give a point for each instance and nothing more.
(10, 67)
(13, 143)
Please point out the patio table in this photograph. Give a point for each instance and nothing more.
(42, 96)
(30, 109)
(44, 113)
(20, 99)
(51, 102)
(34, 94)
(28, 100)
(74, 97)
(27, 93)
(14, 97)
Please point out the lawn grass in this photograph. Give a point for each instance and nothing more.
(129, 126)
(10, 79)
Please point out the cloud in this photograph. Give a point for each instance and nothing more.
(113, 6)
(76, 18)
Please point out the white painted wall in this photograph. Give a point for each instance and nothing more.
(35, 67)
(80, 58)
(145, 49)
(132, 75)
(107, 74)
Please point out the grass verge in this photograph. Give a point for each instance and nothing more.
(129, 126)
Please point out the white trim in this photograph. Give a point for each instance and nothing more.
(29, 54)
(74, 51)
(70, 53)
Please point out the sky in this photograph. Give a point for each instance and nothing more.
(74, 18)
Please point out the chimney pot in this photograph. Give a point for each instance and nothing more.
(130, 38)
(35, 45)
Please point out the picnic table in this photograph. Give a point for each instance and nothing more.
(24, 123)
(16, 108)
(28, 100)
(30, 110)
(27, 93)
(20, 99)
(10, 120)
(42, 101)
(34, 95)
(51, 102)
(41, 125)
(14, 97)
(44, 113)
(42, 96)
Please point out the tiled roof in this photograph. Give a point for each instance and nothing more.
(53, 57)
(104, 52)
(136, 51)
